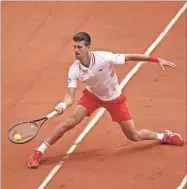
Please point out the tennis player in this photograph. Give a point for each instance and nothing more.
(96, 70)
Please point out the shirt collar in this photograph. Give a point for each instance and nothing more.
(92, 62)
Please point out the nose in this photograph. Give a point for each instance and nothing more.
(76, 51)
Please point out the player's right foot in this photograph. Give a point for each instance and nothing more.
(34, 159)
(172, 138)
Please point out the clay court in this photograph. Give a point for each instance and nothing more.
(36, 55)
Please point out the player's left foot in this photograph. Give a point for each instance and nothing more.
(172, 138)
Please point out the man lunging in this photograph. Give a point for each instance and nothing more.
(96, 70)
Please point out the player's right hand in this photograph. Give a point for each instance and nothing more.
(60, 108)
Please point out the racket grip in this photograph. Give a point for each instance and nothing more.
(52, 114)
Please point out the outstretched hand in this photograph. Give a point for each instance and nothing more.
(163, 63)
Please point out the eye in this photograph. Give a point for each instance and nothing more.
(77, 46)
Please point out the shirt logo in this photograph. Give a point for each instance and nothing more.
(118, 57)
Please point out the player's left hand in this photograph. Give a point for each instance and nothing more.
(163, 63)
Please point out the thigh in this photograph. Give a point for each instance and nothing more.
(76, 117)
(79, 114)
(88, 102)
(118, 109)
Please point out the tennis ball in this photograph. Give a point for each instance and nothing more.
(17, 137)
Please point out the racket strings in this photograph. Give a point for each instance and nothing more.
(26, 130)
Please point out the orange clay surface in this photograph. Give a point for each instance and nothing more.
(36, 54)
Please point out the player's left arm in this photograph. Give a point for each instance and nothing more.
(143, 57)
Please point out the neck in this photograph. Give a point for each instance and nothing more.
(86, 60)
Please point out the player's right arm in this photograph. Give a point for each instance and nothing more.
(70, 95)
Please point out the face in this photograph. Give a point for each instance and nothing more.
(80, 49)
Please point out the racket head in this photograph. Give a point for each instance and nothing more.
(26, 129)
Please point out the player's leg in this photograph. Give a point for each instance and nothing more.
(128, 128)
(167, 137)
(120, 114)
(78, 115)
(85, 108)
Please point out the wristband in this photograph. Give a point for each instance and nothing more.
(153, 59)
(63, 105)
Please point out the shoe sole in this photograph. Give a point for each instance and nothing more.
(32, 166)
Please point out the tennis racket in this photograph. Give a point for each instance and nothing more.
(25, 131)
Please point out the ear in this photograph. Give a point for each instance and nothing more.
(89, 47)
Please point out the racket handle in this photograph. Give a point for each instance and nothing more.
(52, 114)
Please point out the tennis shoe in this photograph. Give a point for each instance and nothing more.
(172, 138)
(34, 159)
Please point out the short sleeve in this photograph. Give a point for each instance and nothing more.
(119, 58)
(114, 57)
(72, 76)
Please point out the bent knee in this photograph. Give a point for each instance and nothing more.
(133, 137)
(69, 124)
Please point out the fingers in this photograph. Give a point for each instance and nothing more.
(171, 64)
(166, 63)
(162, 66)
(59, 109)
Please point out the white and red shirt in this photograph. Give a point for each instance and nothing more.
(100, 78)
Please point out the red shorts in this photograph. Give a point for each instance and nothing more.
(117, 108)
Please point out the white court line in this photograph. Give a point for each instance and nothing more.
(183, 183)
(101, 111)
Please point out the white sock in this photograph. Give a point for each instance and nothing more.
(43, 147)
(159, 136)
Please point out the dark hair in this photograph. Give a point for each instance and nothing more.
(82, 36)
